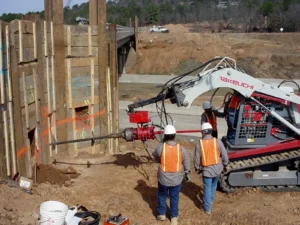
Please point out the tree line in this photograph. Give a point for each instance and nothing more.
(248, 15)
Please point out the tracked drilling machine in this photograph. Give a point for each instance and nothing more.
(264, 147)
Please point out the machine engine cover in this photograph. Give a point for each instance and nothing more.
(139, 117)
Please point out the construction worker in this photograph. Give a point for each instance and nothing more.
(210, 158)
(173, 158)
(231, 110)
(209, 116)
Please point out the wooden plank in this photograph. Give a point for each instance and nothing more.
(69, 41)
(26, 40)
(45, 39)
(35, 85)
(2, 86)
(10, 104)
(28, 156)
(52, 40)
(102, 61)
(48, 85)
(25, 101)
(90, 41)
(69, 83)
(6, 137)
(82, 62)
(82, 52)
(53, 86)
(43, 114)
(93, 13)
(74, 132)
(114, 82)
(3, 154)
(92, 82)
(92, 126)
(27, 54)
(34, 40)
(92, 99)
(60, 78)
(82, 41)
(26, 27)
(20, 42)
(109, 112)
(82, 30)
(27, 68)
(19, 141)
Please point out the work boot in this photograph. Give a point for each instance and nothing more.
(174, 221)
(207, 212)
(161, 217)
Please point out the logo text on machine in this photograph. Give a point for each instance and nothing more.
(237, 83)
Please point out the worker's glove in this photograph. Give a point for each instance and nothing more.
(198, 171)
(187, 177)
(226, 169)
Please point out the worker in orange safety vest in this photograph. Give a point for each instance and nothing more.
(210, 116)
(210, 157)
(231, 111)
(173, 160)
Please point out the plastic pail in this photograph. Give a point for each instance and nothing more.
(53, 213)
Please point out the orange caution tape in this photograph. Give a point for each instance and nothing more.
(45, 132)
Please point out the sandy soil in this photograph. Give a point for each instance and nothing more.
(260, 54)
(127, 184)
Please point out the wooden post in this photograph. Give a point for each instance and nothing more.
(109, 111)
(41, 94)
(18, 123)
(102, 69)
(130, 22)
(10, 104)
(93, 98)
(48, 5)
(60, 80)
(114, 81)
(3, 163)
(136, 34)
(53, 84)
(3, 116)
(25, 102)
(93, 12)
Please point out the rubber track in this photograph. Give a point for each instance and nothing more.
(260, 161)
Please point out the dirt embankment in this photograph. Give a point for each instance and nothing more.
(266, 55)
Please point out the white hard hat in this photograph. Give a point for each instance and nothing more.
(169, 129)
(206, 105)
(206, 126)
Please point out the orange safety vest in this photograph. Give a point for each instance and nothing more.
(171, 158)
(209, 150)
(234, 102)
(213, 121)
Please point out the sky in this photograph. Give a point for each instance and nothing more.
(24, 6)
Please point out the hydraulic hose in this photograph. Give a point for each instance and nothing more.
(87, 215)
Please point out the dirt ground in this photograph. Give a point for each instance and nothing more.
(127, 184)
(265, 55)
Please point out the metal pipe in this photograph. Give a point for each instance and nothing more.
(87, 139)
(278, 117)
(180, 131)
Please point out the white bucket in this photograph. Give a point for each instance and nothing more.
(53, 213)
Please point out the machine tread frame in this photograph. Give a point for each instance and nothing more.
(260, 161)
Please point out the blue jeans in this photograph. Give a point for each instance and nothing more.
(210, 187)
(173, 193)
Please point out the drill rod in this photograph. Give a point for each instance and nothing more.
(118, 135)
